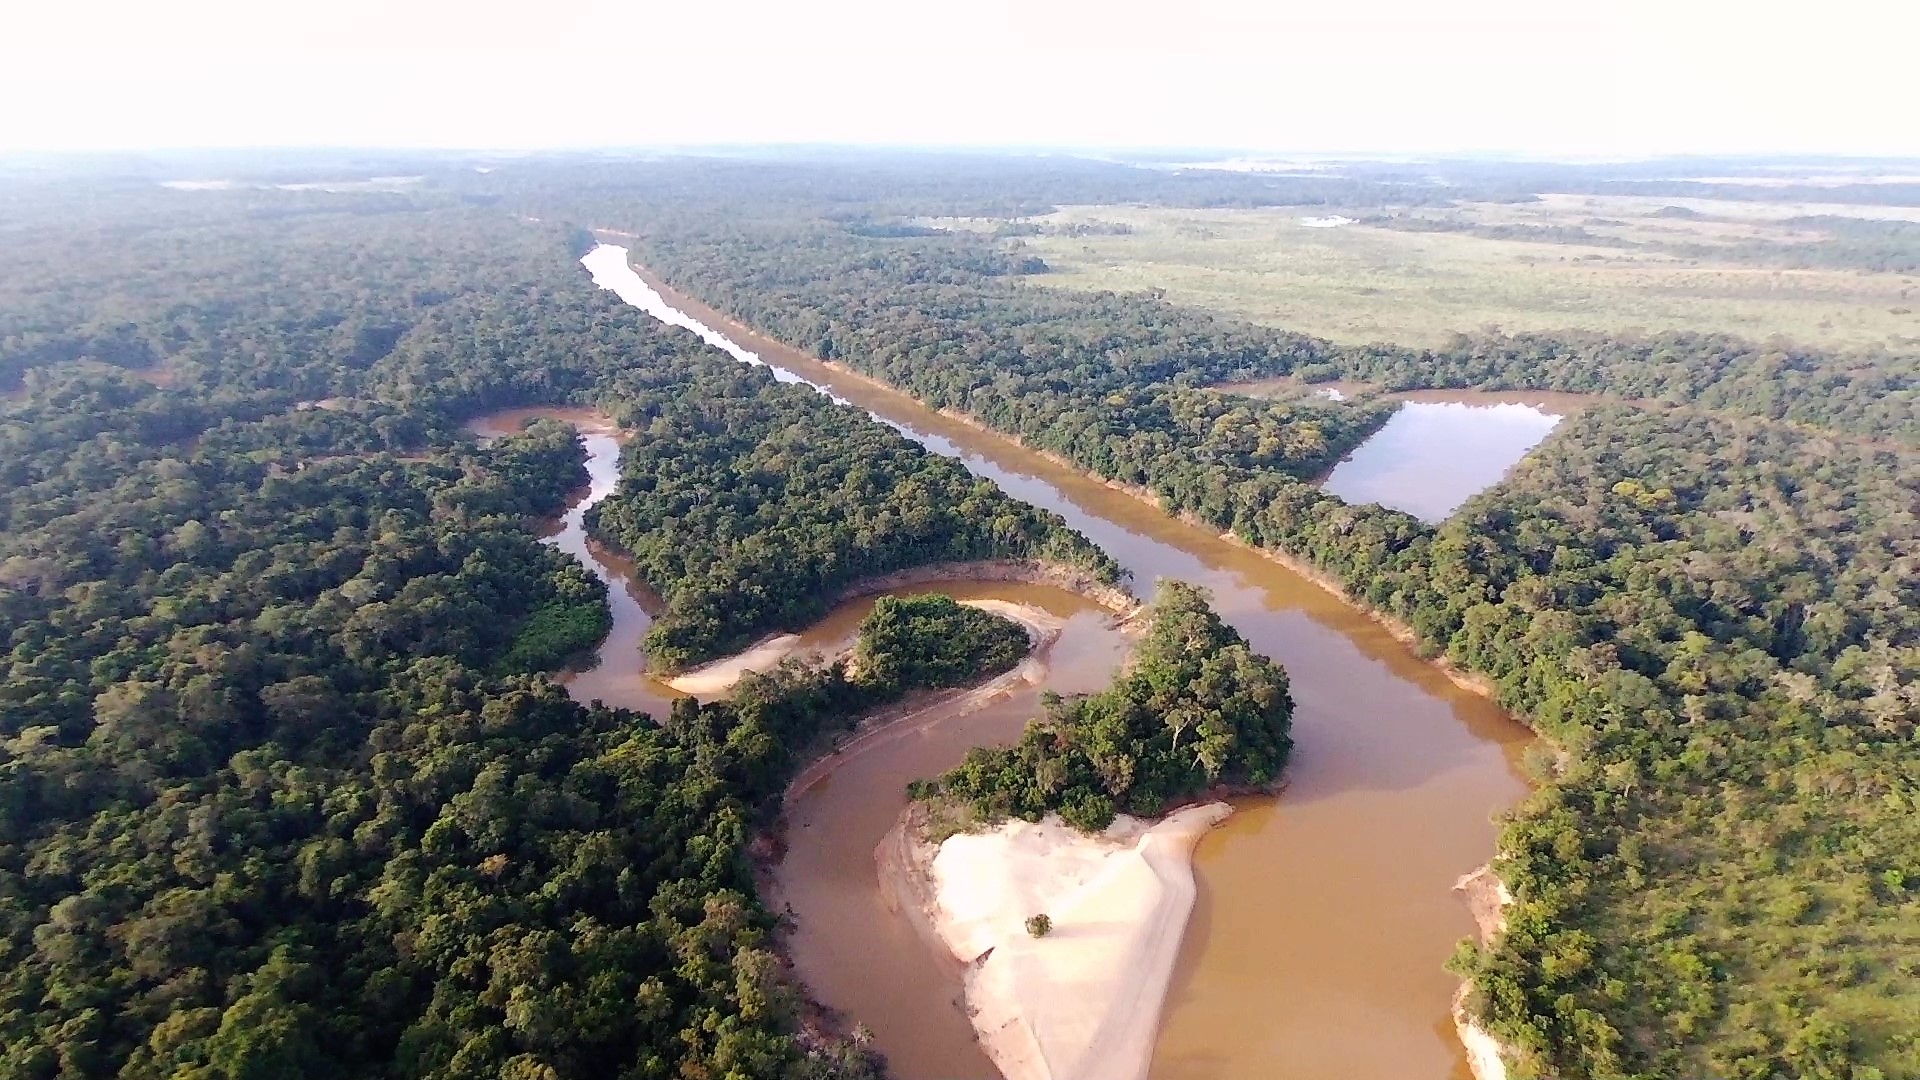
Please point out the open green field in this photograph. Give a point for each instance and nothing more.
(1359, 283)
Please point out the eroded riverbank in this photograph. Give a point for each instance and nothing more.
(1334, 899)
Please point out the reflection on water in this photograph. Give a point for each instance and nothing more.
(1432, 456)
(1324, 916)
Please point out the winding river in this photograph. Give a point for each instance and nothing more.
(618, 674)
(1324, 915)
(857, 791)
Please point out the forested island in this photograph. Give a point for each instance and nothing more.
(1196, 712)
(1022, 841)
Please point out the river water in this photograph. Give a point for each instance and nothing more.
(831, 887)
(618, 674)
(1324, 915)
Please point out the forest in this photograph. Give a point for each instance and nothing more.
(1707, 598)
(749, 505)
(1012, 355)
(286, 792)
(933, 641)
(1193, 680)
(285, 796)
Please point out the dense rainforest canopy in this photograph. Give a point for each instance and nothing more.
(1707, 594)
(281, 791)
(750, 505)
(281, 798)
(933, 640)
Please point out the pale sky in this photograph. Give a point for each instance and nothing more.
(1594, 77)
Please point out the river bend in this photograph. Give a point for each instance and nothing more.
(1325, 914)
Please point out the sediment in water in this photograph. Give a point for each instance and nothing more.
(1073, 579)
(1194, 1051)
(718, 676)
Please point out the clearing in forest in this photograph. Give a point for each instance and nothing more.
(1625, 266)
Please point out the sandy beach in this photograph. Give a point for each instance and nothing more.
(716, 677)
(1082, 1002)
(1487, 898)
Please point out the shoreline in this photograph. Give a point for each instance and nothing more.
(1470, 681)
(904, 719)
(1036, 572)
(923, 710)
(1084, 1001)
(1471, 1036)
(718, 675)
(1487, 898)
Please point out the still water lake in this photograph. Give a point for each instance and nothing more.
(1434, 455)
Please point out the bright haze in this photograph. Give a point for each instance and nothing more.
(1620, 78)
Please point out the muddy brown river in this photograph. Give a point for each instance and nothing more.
(1324, 915)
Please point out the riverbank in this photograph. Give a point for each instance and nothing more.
(1083, 1001)
(1472, 682)
(718, 676)
(922, 711)
(1399, 629)
(1487, 900)
(1073, 579)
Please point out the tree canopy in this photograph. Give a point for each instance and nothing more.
(1195, 711)
(282, 791)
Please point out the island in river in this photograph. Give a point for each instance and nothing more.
(1032, 832)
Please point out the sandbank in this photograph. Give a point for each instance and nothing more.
(716, 677)
(1487, 898)
(1082, 1002)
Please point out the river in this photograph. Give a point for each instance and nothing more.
(1324, 915)
(618, 674)
(857, 791)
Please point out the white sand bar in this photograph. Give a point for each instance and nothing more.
(716, 677)
(1083, 1002)
(1488, 898)
(719, 676)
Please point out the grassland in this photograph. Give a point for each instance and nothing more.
(1360, 283)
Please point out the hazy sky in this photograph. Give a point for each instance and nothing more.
(1619, 77)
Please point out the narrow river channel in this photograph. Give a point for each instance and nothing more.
(1325, 915)
(860, 789)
